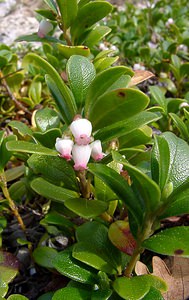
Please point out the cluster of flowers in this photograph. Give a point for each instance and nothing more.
(83, 148)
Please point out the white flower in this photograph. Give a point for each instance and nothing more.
(81, 130)
(81, 155)
(137, 67)
(103, 47)
(182, 47)
(183, 104)
(96, 152)
(169, 22)
(44, 28)
(64, 147)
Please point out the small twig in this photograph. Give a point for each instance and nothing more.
(13, 207)
(11, 95)
(10, 74)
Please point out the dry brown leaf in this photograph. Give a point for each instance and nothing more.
(140, 76)
(141, 269)
(177, 280)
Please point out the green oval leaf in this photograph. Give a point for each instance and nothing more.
(52, 191)
(127, 126)
(116, 105)
(137, 287)
(68, 10)
(55, 169)
(95, 249)
(81, 73)
(17, 297)
(86, 208)
(148, 189)
(70, 267)
(27, 147)
(178, 243)
(102, 83)
(44, 256)
(46, 118)
(68, 51)
(85, 19)
(72, 293)
(67, 106)
(175, 165)
(96, 35)
(119, 186)
(21, 128)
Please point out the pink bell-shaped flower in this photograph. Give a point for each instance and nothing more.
(81, 130)
(64, 147)
(96, 150)
(44, 28)
(81, 155)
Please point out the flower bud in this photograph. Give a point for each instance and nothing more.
(81, 130)
(96, 152)
(44, 28)
(64, 147)
(81, 155)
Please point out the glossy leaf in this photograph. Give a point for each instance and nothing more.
(105, 63)
(27, 147)
(148, 189)
(116, 105)
(181, 126)
(160, 161)
(68, 51)
(52, 191)
(153, 294)
(86, 208)
(96, 35)
(44, 256)
(48, 14)
(178, 168)
(46, 118)
(81, 73)
(48, 138)
(55, 169)
(102, 83)
(21, 128)
(17, 297)
(57, 219)
(85, 19)
(70, 267)
(68, 10)
(119, 186)
(126, 126)
(72, 293)
(139, 136)
(137, 287)
(158, 97)
(178, 243)
(95, 249)
(63, 96)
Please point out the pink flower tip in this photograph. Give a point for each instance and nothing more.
(80, 167)
(96, 150)
(64, 147)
